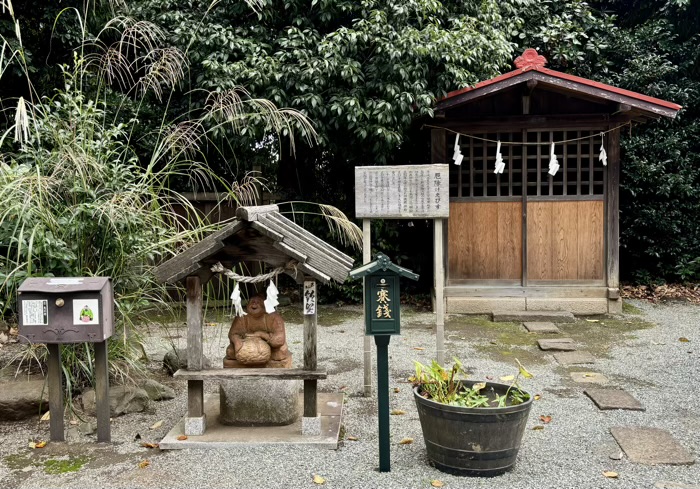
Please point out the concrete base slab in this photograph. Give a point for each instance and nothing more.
(311, 426)
(195, 426)
(580, 306)
(330, 409)
(614, 399)
(545, 327)
(651, 446)
(482, 305)
(574, 358)
(558, 344)
(500, 316)
(589, 378)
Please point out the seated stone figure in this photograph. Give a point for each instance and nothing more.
(257, 339)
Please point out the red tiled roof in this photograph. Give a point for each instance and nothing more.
(531, 61)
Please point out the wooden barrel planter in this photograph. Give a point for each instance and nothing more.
(480, 441)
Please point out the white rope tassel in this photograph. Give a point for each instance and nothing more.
(500, 165)
(236, 298)
(603, 157)
(271, 302)
(553, 163)
(457, 156)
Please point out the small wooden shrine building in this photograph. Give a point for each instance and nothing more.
(261, 234)
(525, 239)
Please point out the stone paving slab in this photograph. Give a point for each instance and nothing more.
(674, 485)
(589, 378)
(614, 399)
(534, 316)
(330, 408)
(574, 358)
(651, 446)
(559, 344)
(543, 327)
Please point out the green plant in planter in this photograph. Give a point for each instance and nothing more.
(444, 386)
(470, 430)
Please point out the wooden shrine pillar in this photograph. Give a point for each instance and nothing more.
(367, 345)
(310, 360)
(195, 422)
(612, 218)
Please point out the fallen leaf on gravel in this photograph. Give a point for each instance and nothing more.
(537, 397)
(352, 438)
(593, 320)
(419, 348)
(507, 378)
(46, 416)
(144, 463)
(683, 339)
(397, 412)
(437, 483)
(37, 444)
(545, 419)
(343, 388)
(610, 475)
(149, 445)
(538, 427)
(489, 377)
(396, 389)
(406, 441)
(319, 480)
(182, 437)
(157, 425)
(73, 422)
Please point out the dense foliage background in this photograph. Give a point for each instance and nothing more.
(366, 71)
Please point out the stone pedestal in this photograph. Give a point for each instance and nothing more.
(195, 426)
(259, 402)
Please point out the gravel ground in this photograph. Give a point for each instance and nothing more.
(570, 452)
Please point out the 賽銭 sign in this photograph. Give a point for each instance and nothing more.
(402, 192)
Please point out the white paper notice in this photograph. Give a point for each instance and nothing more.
(35, 313)
(86, 311)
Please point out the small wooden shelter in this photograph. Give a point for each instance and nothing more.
(258, 234)
(524, 239)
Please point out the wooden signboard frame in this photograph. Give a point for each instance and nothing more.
(405, 192)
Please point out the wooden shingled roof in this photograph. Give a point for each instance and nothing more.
(260, 234)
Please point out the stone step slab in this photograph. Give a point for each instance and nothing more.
(651, 446)
(541, 327)
(588, 378)
(607, 399)
(557, 344)
(574, 358)
(533, 316)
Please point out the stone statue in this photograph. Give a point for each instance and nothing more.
(257, 339)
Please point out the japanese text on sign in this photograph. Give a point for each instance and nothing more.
(383, 307)
(407, 191)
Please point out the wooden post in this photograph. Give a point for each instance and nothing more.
(612, 217)
(195, 357)
(366, 258)
(439, 285)
(310, 363)
(55, 392)
(102, 392)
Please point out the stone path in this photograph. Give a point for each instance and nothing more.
(542, 327)
(641, 444)
(558, 344)
(614, 399)
(651, 446)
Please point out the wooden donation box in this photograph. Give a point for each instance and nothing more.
(66, 310)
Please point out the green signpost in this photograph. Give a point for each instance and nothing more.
(382, 319)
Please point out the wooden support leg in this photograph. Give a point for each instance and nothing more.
(439, 293)
(311, 422)
(55, 393)
(102, 392)
(195, 422)
(367, 344)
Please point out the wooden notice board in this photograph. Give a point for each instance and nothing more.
(402, 192)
